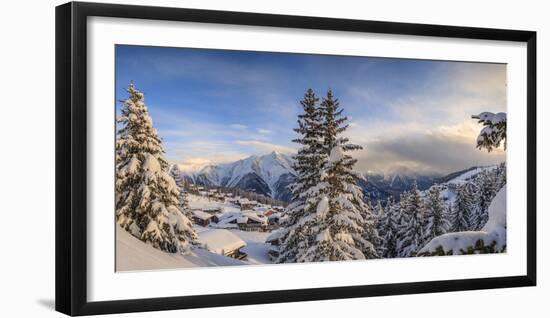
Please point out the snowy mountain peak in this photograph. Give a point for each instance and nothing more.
(279, 155)
(267, 174)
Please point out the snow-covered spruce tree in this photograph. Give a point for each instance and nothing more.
(401, 219)
(449, 212)
(175, 172)
(147, 198)
(378, 213)
(388, 227)
(300, 216)
(435, 217)
(486, 185)
(345, 224)
(463, 208)
(500, 173)
(411, 237)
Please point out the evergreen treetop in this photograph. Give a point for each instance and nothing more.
(435, 215)
(328, 219)
(463, 208)
(147, 197)
(411, 235)
(309, 163)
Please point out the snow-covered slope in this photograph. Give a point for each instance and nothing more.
(133, 255)
(378, 186)
(492, 234)
(448, 188)
(268, 174)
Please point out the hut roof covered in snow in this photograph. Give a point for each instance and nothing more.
(227, 220)
(201, 214)
(274, 236)
(253, 216)
(221, 241)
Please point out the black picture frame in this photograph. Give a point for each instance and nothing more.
(71, 157)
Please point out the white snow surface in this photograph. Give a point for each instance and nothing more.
(492, 117)
(336, 154)
(463, 178)
(135, 255)
(256, 248)
(220, 241)
(494, 230)
(275, 235)
(254, 216)
(324, 236)
(201, 214)
(151, 164)
(322, 207)
(201, 203)
(241, 219)
(131, 168)
(497, 212)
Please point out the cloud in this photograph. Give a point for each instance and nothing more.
(449, 93)
(406, 113)
(428, 129)
(193, 163)
(441, 150)
(238, 126)
(265, 147)
(203, 151)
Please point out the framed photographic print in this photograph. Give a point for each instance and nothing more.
(208, 158)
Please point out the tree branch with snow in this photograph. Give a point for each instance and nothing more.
(493, 133)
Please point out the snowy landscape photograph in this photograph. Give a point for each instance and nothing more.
(232, 158)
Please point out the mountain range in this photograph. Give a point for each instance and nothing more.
(272, 173)
(268, 175)
(377, 186)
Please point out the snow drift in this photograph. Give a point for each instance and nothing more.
(134, 255)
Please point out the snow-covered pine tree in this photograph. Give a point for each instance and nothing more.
(463, 208)
(486, 185)
(300, 216)
(411, 237)
(378, 215)
(345, 224)
(388, 227)
(401, 218)
(500, 173)
(449, 213)
(176, 174)
(146, 195)
(435, 216)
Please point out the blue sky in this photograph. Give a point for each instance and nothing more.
(218, 105)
